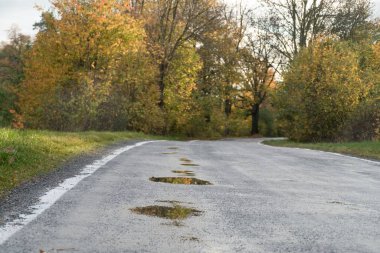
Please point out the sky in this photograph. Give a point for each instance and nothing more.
(23, 14)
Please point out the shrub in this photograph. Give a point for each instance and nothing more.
(321, 89)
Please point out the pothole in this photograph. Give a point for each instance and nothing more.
(176, 212)
(185, 160)
(190, 238)
(173, 148)
(190, 164)
(58, 250)
(184, 172)
(180, 180)
(169, 153)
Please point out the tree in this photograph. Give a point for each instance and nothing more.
(181, 106)
(352, 18)
(259, 75)
(259, 63)
(170, 25)
(219, 50)
(76, 60)
(11, 75)
(293, 24)
(321, 89)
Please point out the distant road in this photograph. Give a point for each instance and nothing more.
(263, 199)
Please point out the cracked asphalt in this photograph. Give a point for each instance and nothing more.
(263, 199)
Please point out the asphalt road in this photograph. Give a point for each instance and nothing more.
(263, 199)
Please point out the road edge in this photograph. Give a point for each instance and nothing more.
(50, 196)
(320, 151)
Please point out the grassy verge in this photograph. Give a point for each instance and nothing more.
(27, 154)
(366, 149)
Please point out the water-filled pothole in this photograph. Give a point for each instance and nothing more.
(169, 153)
(180, 180)
(190, 164)
(173, 148)
(184, 172)
(176, 212)
(185, 160)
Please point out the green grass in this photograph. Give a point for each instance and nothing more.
(366, 149)
(27, 154)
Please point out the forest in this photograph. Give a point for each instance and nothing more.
(305, 69)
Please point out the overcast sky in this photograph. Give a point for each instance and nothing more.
(23, 14)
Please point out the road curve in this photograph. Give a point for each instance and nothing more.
(263, 199)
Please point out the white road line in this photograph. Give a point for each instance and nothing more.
(47, 200)
(321, 151)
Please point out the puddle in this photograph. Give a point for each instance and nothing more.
(185, 160)
(176, 212)
(180, 180)
(168, 153)
(185, 172)
(173, 148)
(190, 164)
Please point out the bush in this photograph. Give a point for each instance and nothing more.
(364, 123)
(321, 89)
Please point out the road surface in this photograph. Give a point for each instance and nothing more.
(263, 199)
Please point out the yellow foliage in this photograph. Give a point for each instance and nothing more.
(321, 89)
(78, 53)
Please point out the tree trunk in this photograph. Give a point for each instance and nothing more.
(227, 107)
(161, 84)
(255, 113)
(227, 112)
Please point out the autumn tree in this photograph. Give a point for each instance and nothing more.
(352, 19)
(219, 50)
(170, 25)
(181, 85)
(293, 24)
(320, 90)
(12, 59)
(364, 123)
(259, 64)
(77, 60)
(259, 77)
